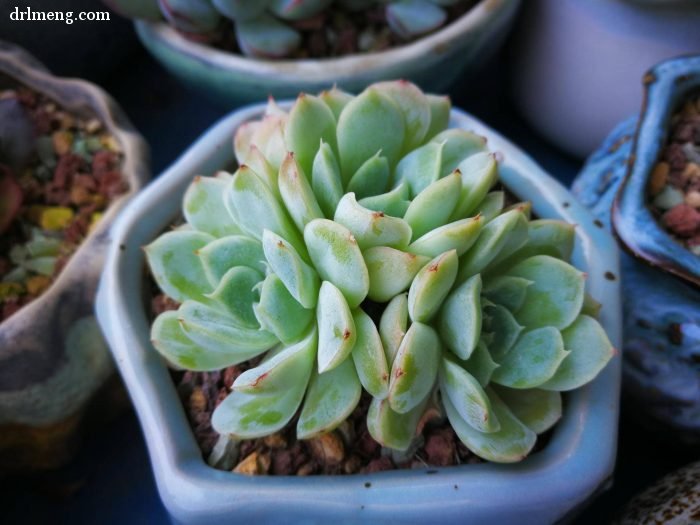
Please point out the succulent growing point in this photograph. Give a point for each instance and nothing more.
(266, 28)
(361, 246)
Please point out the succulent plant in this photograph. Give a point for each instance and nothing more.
(360, 245)
(264, 27)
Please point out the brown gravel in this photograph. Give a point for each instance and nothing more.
(674, 183)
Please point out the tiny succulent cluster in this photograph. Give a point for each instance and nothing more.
(269, 28)
(361, 245)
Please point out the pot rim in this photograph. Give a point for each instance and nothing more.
(575, 464)
(640, 233)
(335, 69)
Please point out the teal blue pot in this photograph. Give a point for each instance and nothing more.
(546, 487)
(434, 62)
(661, 301)
(667, 86)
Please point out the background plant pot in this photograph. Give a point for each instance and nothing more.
(433, 62)
(52, 358)
(667, 86)
(576, 64)
(550, 484)
(661, 372)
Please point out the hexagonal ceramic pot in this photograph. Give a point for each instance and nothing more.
(52, 358)
(575, 464)
(433, 62)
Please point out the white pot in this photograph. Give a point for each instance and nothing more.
(578, 65)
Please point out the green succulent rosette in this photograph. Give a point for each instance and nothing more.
(360, 245)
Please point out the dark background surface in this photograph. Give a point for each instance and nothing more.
(111, 480)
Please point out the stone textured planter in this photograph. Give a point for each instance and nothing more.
(544, 488)
(52, 358)
(433, 62)
(661, 372)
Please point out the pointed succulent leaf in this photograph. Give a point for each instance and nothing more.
(310, 122)
(440, 107)
(393, 325)
(257, 162)
(545, 237)
(239, 9)
(190, 16)
(257, 209)
(431, 285)
(391, 271)
(372, 178)
(266, 37)
(330, 399)
(412, 18)
(591, 307)
(415, 367)
(394, 202)
(391, 429)
(268, 137)
(513, 442)
(414, 105)
(479, 174)
(279, 313)
(296, 192)
(506, 290)
(459, 235)
(336, 328)
(431, 208)
(172, 343)
(282, 370)
(590, 352)
(243, 140)
(236, 292)
(247, 415)
(538, 409)
(326, 181)
(216, 331)
(219, 256)
(300, 279)
(467, 396)
(336, 99)
(517, 238)
(480, 364)
(204, 209)
(493, 238)
(533, 359)
(420, 168)
(459, 319)
(491, 205)
(500, 323)
(368, 120)
(368, 356)
(338, 259)
(175, 266)
(459, 144)
(371, 228)
(297, 9)
(555, 296)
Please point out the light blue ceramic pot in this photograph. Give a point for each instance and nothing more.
(661, 373)
(544, 488)
(433, 62)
